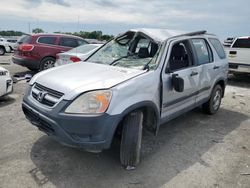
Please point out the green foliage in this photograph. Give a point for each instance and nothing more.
(84, 34)
(89, 35)
(37, 30)
(11, 33)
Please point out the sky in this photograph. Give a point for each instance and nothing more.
(221, 17)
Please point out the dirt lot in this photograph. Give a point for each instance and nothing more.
(194, 150)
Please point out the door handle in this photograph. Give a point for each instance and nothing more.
(216, 67)
(193, 73)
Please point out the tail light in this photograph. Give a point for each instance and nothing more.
(75, 59)
(26, 47)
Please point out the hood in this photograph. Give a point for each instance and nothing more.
(3, 69)
(74, 79)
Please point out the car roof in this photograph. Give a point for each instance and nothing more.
(160, 35)
(53, 34)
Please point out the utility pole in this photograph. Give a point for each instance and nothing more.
(29, 27)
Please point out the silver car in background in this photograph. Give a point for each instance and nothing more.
(77, 54)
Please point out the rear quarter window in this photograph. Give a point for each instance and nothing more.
(47, 40)
(218, 47)
(242, 43)
(24, 39)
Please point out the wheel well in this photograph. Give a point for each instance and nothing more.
(150, 120)
(223, 85)
(47, 57)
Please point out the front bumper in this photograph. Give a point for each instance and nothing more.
(7, 49)
(92, 132)
(239, 68)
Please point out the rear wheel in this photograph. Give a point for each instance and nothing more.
(213, 105)
(47, 63)
(131, 140)
(2, 50)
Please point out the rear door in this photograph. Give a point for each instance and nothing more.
(179, 62)
(46, 46)
(206, 67)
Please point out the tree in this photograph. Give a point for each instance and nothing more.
(37, 30)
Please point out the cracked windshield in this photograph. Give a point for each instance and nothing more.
(130, 50)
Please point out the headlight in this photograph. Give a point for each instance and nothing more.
(4, 73)
(91, 102)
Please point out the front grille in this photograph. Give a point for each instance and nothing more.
(37, 121)
(46, 96)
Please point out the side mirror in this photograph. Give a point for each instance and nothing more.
(178, 83)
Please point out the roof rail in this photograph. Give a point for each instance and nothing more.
(190, 34)
(196, 33)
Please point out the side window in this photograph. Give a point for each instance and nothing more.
(69, 42)
(146, 48)
(218, 47)
(203, 51)
(143, 43)
(242, 43)
(47, 40)
(180, 57)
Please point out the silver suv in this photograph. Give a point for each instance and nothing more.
(139, 80)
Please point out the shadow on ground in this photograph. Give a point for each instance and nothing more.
(239, 80)
(6, 100)
(179, 145)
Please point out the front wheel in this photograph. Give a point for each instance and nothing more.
(213, 105)
(131, 140)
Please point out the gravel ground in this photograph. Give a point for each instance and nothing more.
(194, 150)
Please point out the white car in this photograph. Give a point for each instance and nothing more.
(239, 55)
(77, 54)
(5, 46)
(6, 83)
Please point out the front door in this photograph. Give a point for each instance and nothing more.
(180, 62)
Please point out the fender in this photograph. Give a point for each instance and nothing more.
(139, 105)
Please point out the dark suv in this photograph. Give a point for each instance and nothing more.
(38, 51)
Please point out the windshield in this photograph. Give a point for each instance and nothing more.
(84, 48)
(130, 50)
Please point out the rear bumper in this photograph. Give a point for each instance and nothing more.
(89, 132)
(7, 49)
(29, 63)
(240, 68)
(7, 87)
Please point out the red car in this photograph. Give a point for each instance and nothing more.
(38, 51)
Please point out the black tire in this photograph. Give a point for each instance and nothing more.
(130, 148)
(47, 63)
(213, 105)
(2, 50)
